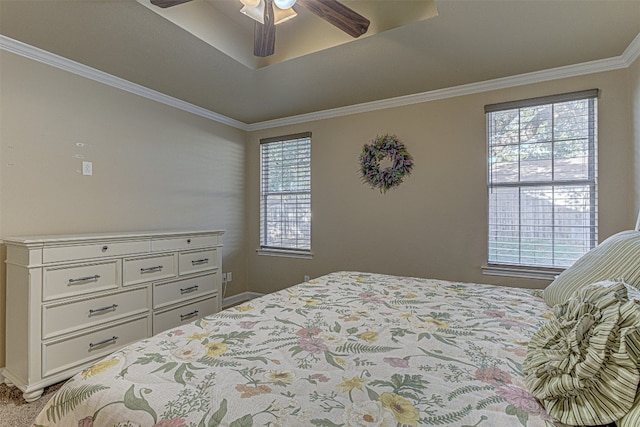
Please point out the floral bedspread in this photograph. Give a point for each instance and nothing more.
(346, 349)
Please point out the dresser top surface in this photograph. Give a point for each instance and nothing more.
(60, 238)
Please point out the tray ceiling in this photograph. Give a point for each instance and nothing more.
(468, 41)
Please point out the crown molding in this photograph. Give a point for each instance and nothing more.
(468, 89)
(631, 53)
(48, 58)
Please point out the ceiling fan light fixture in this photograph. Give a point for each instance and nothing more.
(250, 3)
(255, 12)
(283, 15)
(284, 4)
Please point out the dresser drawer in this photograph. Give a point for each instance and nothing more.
(193, 262)
(140, 270)
(58, 319)
(184, 314)
(184, 243)
(72, 280)
(181, 290)
(94, 250)
(67, 353)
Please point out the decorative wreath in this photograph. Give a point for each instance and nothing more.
(372, 154)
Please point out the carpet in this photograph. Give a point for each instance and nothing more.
(15, 411)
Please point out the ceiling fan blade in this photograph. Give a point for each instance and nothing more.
(339, 15)
(168, 3)
(264, 35)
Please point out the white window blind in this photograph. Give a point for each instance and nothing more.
(285, 207)
(542, 180)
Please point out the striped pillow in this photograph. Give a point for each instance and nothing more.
(632, 419)
(583, 363)
(618, 257)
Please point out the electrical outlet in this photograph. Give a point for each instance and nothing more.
(306, 278)
(229, 277)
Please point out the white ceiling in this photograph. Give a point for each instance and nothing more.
(469, 41)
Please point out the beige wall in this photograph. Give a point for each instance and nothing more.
(154, 167)
(433, 225)
(634, 91)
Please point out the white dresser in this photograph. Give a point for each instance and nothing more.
(74, 299)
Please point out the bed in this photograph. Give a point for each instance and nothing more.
(346, 349)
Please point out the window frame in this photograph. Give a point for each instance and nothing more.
(277, 250)
(539, 271)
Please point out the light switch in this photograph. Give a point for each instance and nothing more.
(87, 168)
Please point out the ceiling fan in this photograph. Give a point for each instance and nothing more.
(268, 13)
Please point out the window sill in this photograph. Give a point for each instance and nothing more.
(285, 253)
(521, 272)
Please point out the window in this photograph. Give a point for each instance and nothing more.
(542, 180)
(285, 195)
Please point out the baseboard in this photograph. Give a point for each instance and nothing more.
(236, 299)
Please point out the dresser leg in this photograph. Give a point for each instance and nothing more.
(33, 395)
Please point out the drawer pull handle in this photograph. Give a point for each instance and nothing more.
(98, 310)
(188, 241)
(151, 269)
(111, 340)
(85, 279)
(188, 315)
(105, 248)
(189, 289)
(200, 261)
